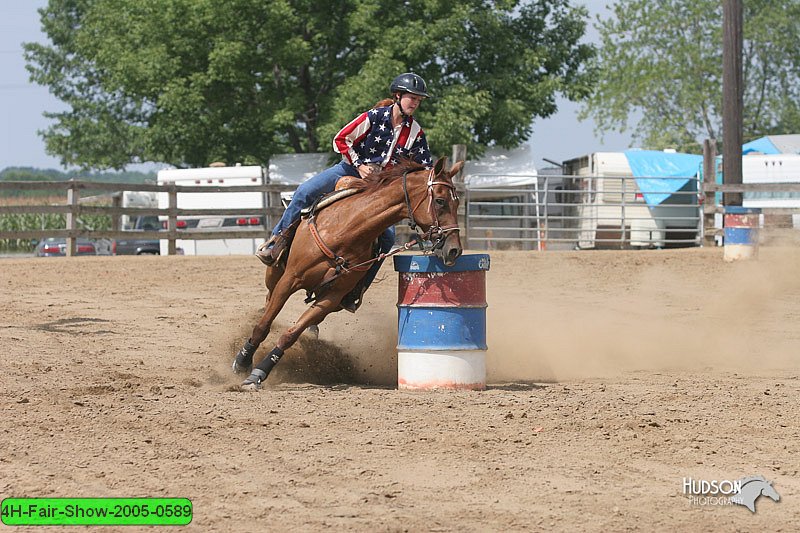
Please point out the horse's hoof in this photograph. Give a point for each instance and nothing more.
(240, 368)
(243, 361)
(313, 331)
(254, 380)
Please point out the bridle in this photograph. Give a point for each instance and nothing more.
(436, 232)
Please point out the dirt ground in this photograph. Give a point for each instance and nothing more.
(614, 376)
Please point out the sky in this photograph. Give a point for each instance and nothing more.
(23, 103)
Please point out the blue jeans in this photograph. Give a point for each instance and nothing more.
(385, 243)
(323, 183)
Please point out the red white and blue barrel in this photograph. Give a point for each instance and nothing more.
(741, 232)
(441, 326)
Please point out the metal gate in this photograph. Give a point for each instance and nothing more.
(580, 212)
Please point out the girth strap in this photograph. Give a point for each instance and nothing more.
(338, 261)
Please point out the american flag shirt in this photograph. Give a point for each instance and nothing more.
(370, 138)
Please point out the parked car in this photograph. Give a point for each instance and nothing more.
(134, 246)
(57, 246)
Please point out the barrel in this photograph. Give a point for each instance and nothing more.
(741, 232)
(441, 322)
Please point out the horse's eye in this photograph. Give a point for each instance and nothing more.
(440, 202)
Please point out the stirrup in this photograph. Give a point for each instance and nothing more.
(264, 252)
(269, 252)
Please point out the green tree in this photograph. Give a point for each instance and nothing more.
(188, 82)
(663, 61)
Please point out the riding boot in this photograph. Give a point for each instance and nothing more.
(273, 250)
(353, 299)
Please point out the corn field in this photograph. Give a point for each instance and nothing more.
(41, 221)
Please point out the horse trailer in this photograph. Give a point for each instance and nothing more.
(777, 168)
(616, 207)
(216, 177)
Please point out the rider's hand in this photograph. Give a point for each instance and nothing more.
(365, 170)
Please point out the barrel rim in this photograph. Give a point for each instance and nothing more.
(739, 210)
(429, 263)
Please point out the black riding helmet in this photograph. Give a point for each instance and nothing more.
(409, 83)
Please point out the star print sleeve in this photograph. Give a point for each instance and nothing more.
(420, 152)
(345, 141)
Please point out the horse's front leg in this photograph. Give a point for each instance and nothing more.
(272, 276)
(311, 317)
(279, 294)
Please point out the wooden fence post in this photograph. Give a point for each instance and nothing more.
(172, 218)
(459, 154)
(116, 201)
(709, 178)
(72, 217)
(732, 98)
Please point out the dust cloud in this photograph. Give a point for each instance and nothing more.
(646, 314)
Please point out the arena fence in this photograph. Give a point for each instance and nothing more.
(548, 212)
(779, 204)
(92, 198)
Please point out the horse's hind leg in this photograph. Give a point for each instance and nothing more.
(311, 317)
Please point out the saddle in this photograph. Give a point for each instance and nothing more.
(342, 190)
(352, 301)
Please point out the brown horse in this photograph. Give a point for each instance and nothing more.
(330, 249)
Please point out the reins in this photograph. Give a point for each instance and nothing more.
(434, 231)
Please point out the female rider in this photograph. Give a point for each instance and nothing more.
(371, 142)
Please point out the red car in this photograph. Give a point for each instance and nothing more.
(55, 247)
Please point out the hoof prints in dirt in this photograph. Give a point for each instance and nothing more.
(74, 326)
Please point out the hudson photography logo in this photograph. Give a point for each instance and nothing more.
(743, 491)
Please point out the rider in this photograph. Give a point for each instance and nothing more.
(371, 142)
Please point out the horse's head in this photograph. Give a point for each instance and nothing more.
(440, 219)
(768, 490)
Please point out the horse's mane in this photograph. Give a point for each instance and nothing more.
(388, 175)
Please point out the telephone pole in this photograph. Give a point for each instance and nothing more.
(732, 98)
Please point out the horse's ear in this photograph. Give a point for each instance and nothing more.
(455, 169)
(440, 165)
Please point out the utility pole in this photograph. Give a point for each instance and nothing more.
(732, 98)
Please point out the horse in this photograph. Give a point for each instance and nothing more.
(333, 248)
(752, 488)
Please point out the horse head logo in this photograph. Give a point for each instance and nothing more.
(752, 488)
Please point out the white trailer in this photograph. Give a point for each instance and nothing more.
(216, 177)
(606, 214)
(612, 210)
(778, 168)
